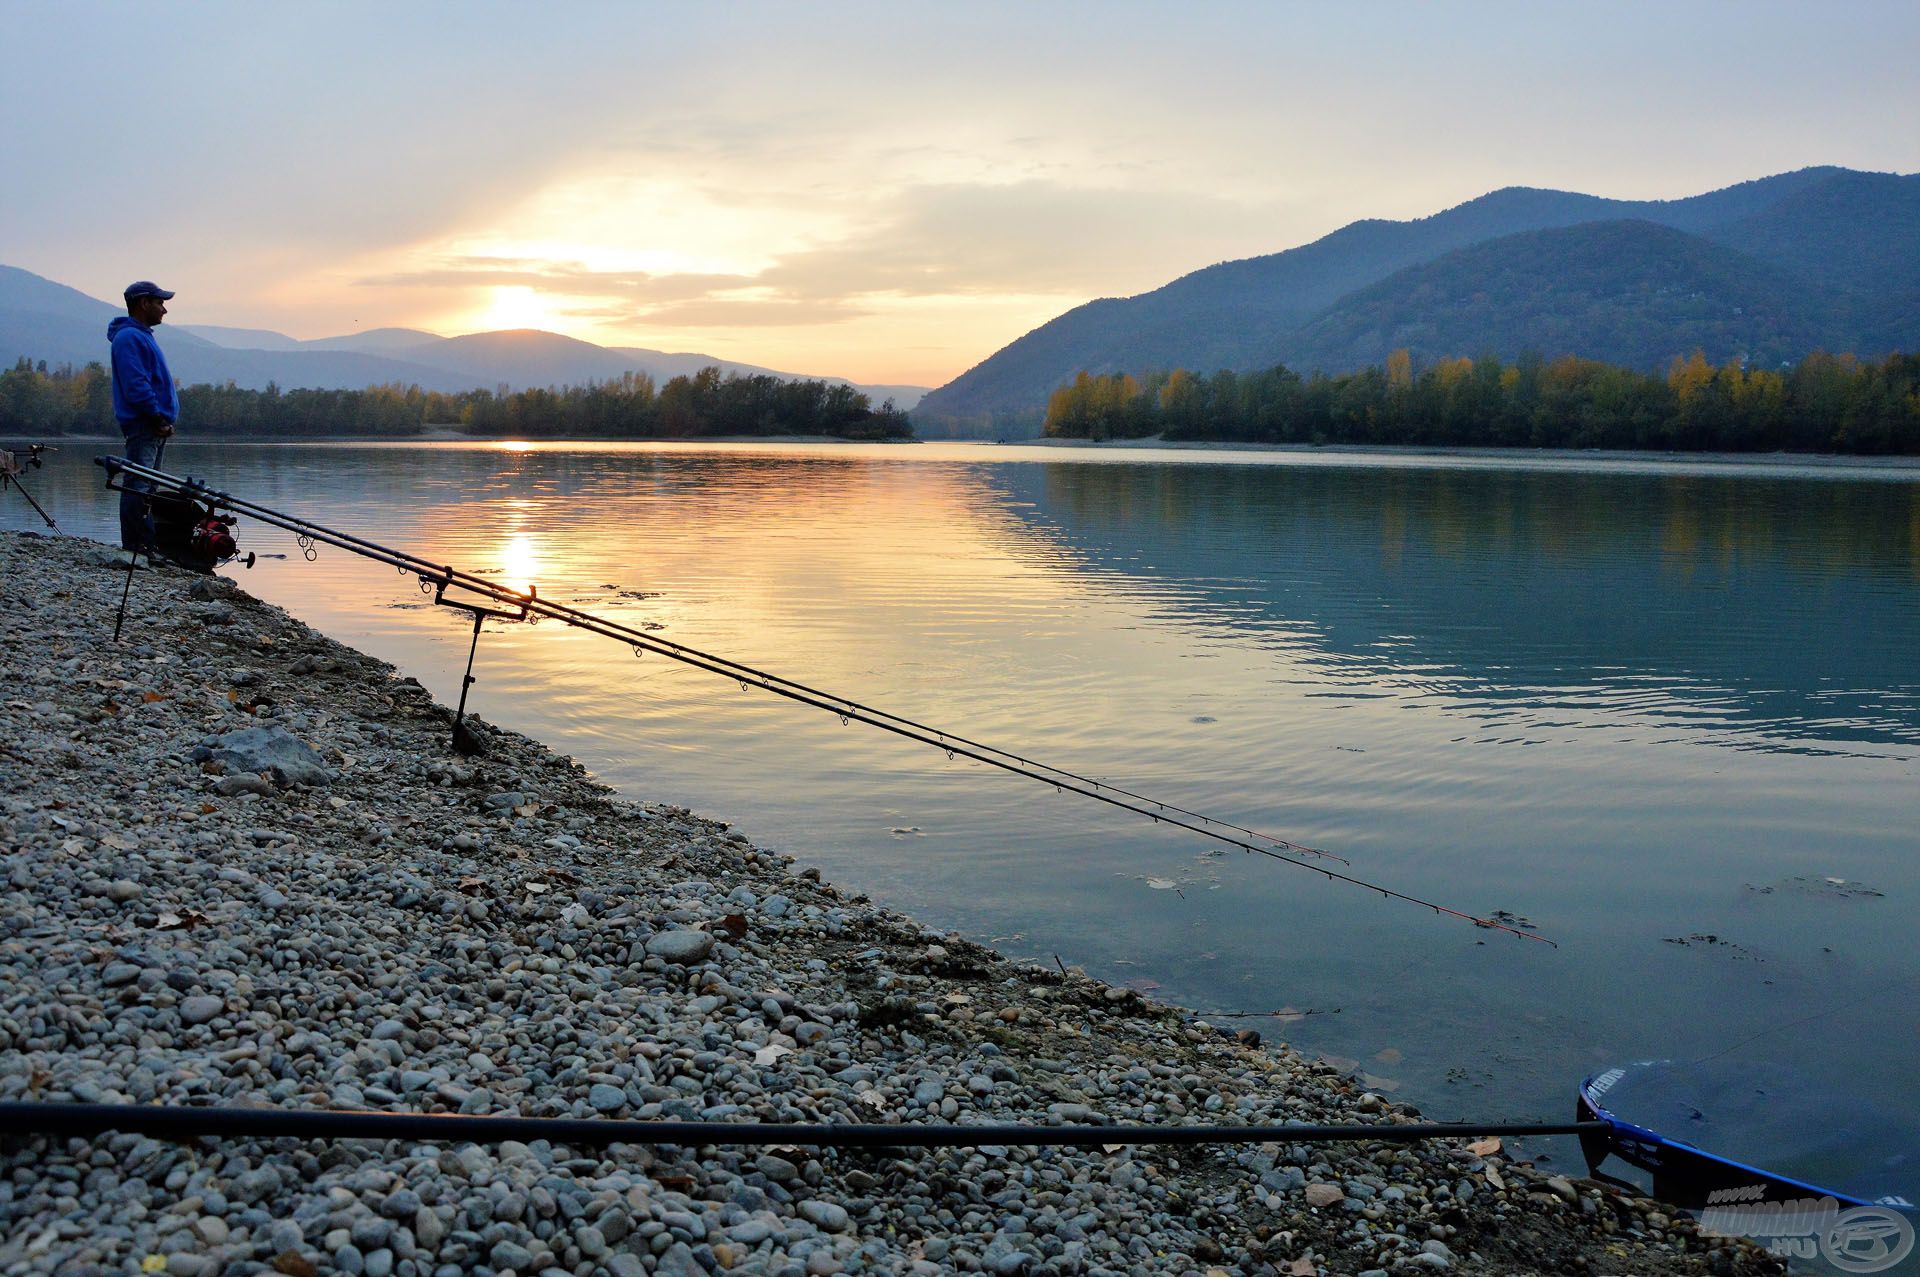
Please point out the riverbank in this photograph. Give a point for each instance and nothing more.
(365, 921)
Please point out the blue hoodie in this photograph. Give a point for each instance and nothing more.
(142, 385)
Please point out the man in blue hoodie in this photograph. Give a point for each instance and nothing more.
(143, 401)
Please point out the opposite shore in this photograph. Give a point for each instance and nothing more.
(243, 868)
(1898, 465)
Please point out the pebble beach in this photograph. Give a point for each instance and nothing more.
(243, 867)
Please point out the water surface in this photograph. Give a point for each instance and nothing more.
(1638, 704)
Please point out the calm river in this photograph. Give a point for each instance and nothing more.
(1667, 713)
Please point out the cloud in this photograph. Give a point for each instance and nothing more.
(566, 278)
(720, 312)
(1027, 239)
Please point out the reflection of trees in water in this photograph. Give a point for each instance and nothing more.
(1820, 526)
(1785, 604)
(469, 485)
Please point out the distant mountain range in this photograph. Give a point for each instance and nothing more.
(42, 319)
(1769, 269)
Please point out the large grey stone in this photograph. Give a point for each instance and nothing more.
(683, 947)
(272, 749)
(827, 1216)
(201, 1008)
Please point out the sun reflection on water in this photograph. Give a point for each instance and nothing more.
(520, 562)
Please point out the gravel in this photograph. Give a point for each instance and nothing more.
(243, 868)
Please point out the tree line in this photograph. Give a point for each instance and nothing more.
(1825, 403)
(66, 400)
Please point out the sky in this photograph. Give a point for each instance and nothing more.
(885, 192)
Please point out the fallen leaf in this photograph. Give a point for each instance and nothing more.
(1301, 1268)
(185, 920)
(233, 697)
(957, 998)
(526, 809)
(734, 924)
(1486, 1147)
(475, 886)
(1493, 1178)
(207, 809)
(151, 697)
(153, 1264)
(768, 1054)
(872, 1099)
(293, 1264)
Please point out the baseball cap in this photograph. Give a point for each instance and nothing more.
(147, 288)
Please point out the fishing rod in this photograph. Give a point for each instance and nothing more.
(180, 1122)
(437, 579)
(12, 467)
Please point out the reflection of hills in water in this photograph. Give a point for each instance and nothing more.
(1783, 610)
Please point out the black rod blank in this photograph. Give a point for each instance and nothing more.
(173, 1122)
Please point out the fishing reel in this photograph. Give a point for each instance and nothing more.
(12, 464)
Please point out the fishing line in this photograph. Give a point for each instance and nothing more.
(1794, 1024)
(437, 579)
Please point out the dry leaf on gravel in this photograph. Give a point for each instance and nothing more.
(185, 920)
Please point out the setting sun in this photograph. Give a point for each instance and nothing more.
(517, 306)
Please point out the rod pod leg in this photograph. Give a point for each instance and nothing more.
(133, 562)
(465, 740)
(37, 508)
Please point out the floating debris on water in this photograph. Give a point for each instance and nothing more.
(1707, 940)
(1833, 888)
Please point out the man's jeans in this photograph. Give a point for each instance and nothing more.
(136, 519)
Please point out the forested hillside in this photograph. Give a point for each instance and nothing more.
(1820, 258)
(1825, 403)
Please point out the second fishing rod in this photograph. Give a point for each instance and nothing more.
(437, 579)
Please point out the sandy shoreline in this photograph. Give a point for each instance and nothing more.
(379, 924)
